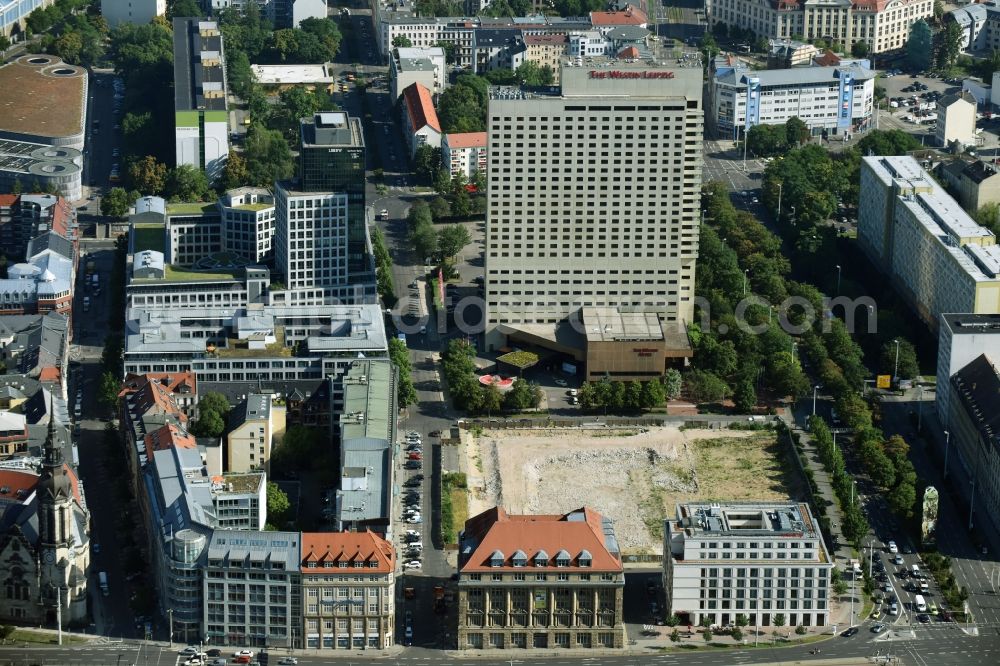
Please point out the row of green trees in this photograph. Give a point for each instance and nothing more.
(406, 394)
(631, 396)
(385, 283)
(855, 524)
(74, 30)
(470, 395)
(739, 257)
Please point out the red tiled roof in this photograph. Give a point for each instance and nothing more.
(173, 381)
(349, 547)
(12, 481)
(828, 59)
(165, 437)
(149, 396)
(467, 140)
(629, 52)
(574, 532)
(74, 483)
(420, 107)
(631, 16)
(8, 200)
(62, 215)
(49, 374)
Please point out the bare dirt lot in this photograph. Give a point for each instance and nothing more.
(634, 477)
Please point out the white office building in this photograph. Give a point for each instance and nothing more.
(938, 258)
(756, 559)
(883, 25)
(835, 100)
(244, 344)
(425, 66)
(310, 242)
(201, 114)
(594, 198)
(131, 11)
(248, 223)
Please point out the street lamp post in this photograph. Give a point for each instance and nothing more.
(838, 279)
(895, 367)
(815, 390)
(920, 408)
(746, 273)
(947, 442)
(972, 499)
(170, 616)
(779, 201)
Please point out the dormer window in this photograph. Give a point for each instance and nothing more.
(373, 564)
(585, 559)
(541, 559)
(519, 559)
(359, 564)
(328, 565)
(497, 558)
(342, 565)
(312, 565)
(562, 559)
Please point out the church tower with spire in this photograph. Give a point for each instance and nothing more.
(55, 513)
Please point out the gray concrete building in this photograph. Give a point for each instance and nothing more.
(594, 198)
(756, 559)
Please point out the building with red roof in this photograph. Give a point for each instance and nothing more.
(465, 153)
(347, 590)
(420, 118)
(540, 581)
(632, 15)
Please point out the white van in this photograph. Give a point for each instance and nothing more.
(915, 571)
(920, 604)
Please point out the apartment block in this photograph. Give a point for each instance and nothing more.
(426, 66)
(252, 590)
(756, 559)
(956, 120)
(465, 154)
(200, 107)
(593, 201)
(938, 258)
(974, 451)
(420, 121)
(254, 426)
(539, 581)
(835, 100)
(962, 338)
(974, 183)
(348, 591)
(883, 26)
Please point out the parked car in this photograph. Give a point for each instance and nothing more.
(214, 652)
(244, 653)
(412, 564)
(893, 548)
(190, 649)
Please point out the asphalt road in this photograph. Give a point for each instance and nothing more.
(928, 647)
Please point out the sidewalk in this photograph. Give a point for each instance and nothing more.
(842, 552)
